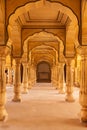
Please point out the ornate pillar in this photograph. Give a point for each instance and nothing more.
(57, 76)
(9, 75)
(61, 78)
(17, 85)
(54, 75)
(25, 78)
(32, 74)
(12, 76)
(83, 85)
(29, 77)
(3, 112)
(76, 75)
(69, 87)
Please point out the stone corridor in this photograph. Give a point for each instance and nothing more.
(42, 109)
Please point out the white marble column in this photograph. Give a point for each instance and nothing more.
(17, 85)
(3, 112)
(61, 78)
(69, 87)
(25, 78)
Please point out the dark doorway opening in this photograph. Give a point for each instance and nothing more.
(43, 72)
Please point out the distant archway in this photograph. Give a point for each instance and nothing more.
(43, 72)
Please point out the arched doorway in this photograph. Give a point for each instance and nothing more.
(43, 72)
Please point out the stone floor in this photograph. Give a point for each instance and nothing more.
(42, 109)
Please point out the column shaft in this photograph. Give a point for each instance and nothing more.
(83, 88)
(3, 113)
(25, 78)
(61, 79)
(17, 85)
(69, 87)
(29, 77)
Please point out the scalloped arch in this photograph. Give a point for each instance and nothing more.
(39, 4)
(39, 35)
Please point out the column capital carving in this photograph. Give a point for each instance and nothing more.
(4, 50)
(61, 64)
(25, 63)
(68, 61)
(18, 60)
(82, 50)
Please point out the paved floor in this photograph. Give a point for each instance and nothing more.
(42, 109)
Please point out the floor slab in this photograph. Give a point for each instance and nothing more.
(42, 109)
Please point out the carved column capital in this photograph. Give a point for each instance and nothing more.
(18, 61)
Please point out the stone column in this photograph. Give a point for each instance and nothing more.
(12, 75)
(9, 75)
(17, 85)
(61, 78)
(69, 87)
(25, 78)
(14, 70)
(32, 75)
(58, 76)
(3, 112)
(76, 75)
(52, 77)
(55, 76)
(83, 85)
(29, 77)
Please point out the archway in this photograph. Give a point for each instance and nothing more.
(49, 16)
(43, 72)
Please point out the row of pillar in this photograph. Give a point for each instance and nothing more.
(18, 88)
(58, 79)
(69, 85)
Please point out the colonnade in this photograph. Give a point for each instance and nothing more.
(29, 79)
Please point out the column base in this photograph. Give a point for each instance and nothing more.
(69, 98)
(16, 99)
(25, 88)
(61, 91)
(83, 114)
(29, 86)
(3, 114)
(25, 91)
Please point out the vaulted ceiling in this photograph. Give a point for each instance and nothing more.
(40, 19)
